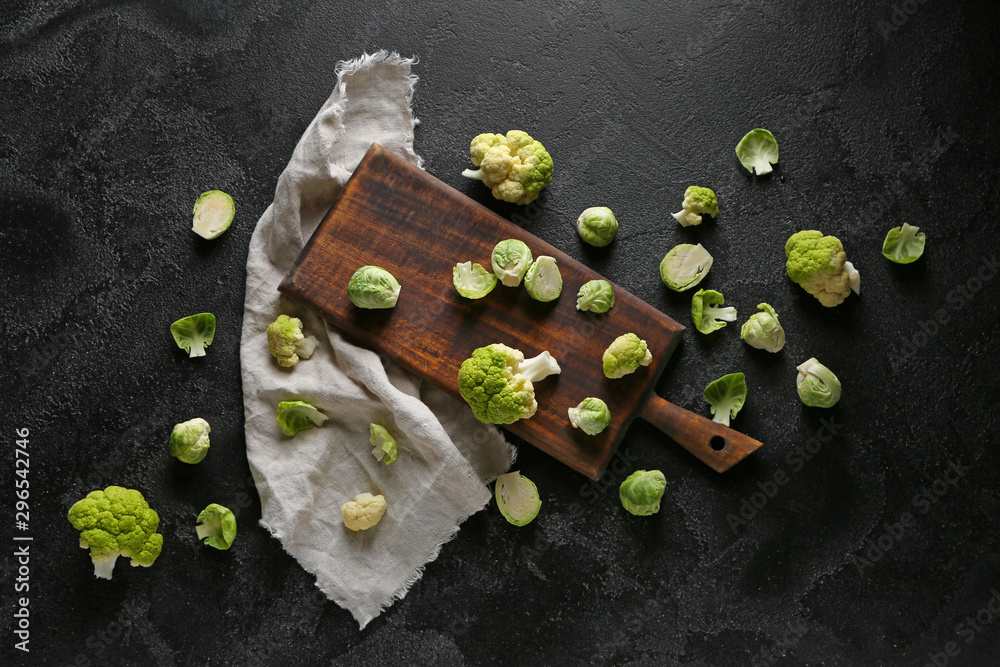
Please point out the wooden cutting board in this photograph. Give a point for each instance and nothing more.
(394, 215)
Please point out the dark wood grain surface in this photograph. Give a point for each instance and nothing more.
(394, 215)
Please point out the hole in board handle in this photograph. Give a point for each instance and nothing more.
(717, 443)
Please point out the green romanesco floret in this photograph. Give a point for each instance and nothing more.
(625, 354)
(287, 344)
(819, 264)
(116, 522)
(497, 380)
(697, 202)
(515, 166)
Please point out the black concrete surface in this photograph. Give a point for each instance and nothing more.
(862, 535)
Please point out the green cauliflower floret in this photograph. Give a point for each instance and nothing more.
(625, 355)
(116, 522)
(697, 201)
(288, 345)
(497, 380)
(515, 167)
(819, 264)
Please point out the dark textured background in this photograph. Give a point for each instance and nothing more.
(116, 115)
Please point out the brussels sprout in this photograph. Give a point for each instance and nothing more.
(543, 280)
(383, 444)
(373, 287)
(295, 416)
(818, 386)
(726, 396)
(641, 492)
(763, 331)
(194, 333)
(517, 498)
(510, 260)
(591, 416)
(472, 281)
(903, 244)
(597, 296)
(216, 526)
(213, 213)
(757, 151)
(684, 266)
(708, 313)
(189, 440)
(597, 226)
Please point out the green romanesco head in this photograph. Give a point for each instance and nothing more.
(283, 337)
(626, 354)
(701, 200)
(697, 201)
(117, 521)
(515, 166)
(496, 394)
(816, 262)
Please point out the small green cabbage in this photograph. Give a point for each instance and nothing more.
(904, 244)
(591, 416)
(597, 226)
(510, 260)
(685, 266)
(757, 151)
(597, 296)
(707, 313)
(189, 440)
(641, 492)
(763, 330)
(295, 416)
(194, 333)
(818, 386)
(383, 444)
(543, 281)
(726, 397)
(472, 281)
(697, 202)
(216, 526)
(373, 287)
(213, 213)
(517, 498)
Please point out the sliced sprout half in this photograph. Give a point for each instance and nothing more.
(472, 281)
(213, 213)
(726, 397)
(684, 266)
(904, 244)
(517, 498)
(194, 333)
(757, 151)
(543, 281)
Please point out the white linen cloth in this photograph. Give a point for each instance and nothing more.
(446, 457)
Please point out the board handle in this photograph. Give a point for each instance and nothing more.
(719, 446)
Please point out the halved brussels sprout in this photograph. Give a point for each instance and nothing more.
(517, 498)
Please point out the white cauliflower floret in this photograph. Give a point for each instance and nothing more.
(364, 511)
